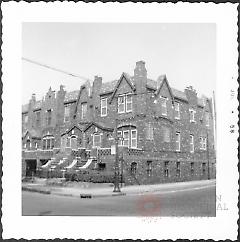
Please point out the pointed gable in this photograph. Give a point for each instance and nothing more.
(74, 128)
(32, 134)
(124, 85)
(83, 95)
(163, 87)
(98, 125)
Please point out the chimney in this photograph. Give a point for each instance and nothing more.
(97, 83)
(140, 69)
(61, 88)
(33, 97)
(191, 95)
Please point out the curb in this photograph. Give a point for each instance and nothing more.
(28, 189)
(86, 195)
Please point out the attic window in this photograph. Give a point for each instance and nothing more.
(67, 112)
(125, 103)
(164, 105)
(192, 115)
(177, 110)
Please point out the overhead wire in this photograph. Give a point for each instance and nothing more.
(55, 69)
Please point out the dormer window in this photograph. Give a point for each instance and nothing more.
(177, 110)
(84, 110)
(103, 107)
(128, 103)
(192, 115)
(164, 105)
(125, 103)
(67, 113)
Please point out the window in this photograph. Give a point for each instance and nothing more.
(84, 110)
(166, 134)
(203, 168)
(166, 165)
(177, 110)
(96, 140)
(128, 103)
(178, 172)
(67, 109)
(36, 145)
(133, 168)
(178, 141)
(191, 143)
(74, 142)
(38, 118)
(120, 138)
(192, 168)
(49, 117)
(48, 143)
(126, 138)
(149, 133)
(207, 118)
(25, 118)
(103, 107)
(203, 143)
(121, 104)
(192, 115)
(149, 168)
(28, 144)
(125, 103)
(164, 105)
(134, 138)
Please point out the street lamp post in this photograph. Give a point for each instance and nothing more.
(208, 156)
(116, 174)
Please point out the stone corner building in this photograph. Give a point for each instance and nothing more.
(165, 135)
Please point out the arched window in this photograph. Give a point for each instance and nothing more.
(48, 143)
(74, 142)
(133, 168)
(28, 144)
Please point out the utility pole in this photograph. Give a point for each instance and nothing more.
(208, 156)
(116, 174)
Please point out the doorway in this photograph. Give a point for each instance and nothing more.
(31, 167)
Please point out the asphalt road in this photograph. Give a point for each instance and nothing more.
(185, 202)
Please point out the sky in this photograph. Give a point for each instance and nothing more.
(186, 53)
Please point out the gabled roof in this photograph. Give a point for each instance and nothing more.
(98, 125)
(33, 133)
(151, 84)
(161, 80)
(70, 129)
(85, 85)
(108, 87)
(71, 96)
(179, 94)
(128, 79)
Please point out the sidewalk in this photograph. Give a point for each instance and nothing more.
(108, 191)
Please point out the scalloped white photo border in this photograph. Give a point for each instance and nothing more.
(224, 225)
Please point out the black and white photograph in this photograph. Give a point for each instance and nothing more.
(121, 120)
(119, 109)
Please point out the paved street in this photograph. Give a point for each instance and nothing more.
(182, 201)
